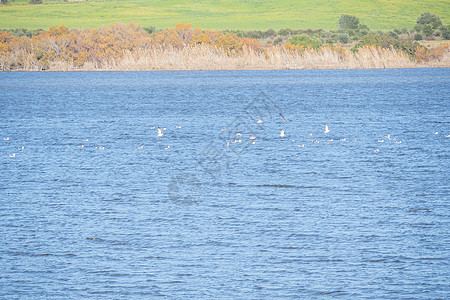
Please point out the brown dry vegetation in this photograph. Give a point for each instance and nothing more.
(130, 48)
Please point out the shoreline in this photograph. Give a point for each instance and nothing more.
(220, 70)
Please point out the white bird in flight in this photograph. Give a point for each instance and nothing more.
(282, 134)
(260, 121)
(160, 131)
(326, 130)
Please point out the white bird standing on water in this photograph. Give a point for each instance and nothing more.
(282, 134)
(160, 131)
(326, 130)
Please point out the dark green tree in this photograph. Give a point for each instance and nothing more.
(348, 22)
(429, 19)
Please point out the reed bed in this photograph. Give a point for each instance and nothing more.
(207, 57)
(204, 57)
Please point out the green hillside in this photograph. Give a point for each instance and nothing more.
(220, 14)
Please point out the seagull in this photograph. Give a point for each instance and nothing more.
(167, 148)
(12, 155)
(388, 137)
(315, 141)
(260, 121)
(376, 150)
(436, 132)
(86, 140)
(160, 132)
(100, 148)
(252, 137)
(300, 146)
(21, 148)
(380, 141)
(153, 127)
(6, 139)
(326, 130)
(398, 142)
(282, 133)
(223, 129)
(252, 143)
(284, 120)
(178, 127)
(81, 146)
(448, 135)
(227, 144)
(140, 147)
(309, 134)
(238, 134)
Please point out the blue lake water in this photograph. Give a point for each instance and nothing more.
(95, 204)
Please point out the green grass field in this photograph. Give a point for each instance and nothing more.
(221, 14)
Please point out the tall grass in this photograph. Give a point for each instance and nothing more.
(204, 57)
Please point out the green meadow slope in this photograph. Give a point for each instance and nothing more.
(220, 14)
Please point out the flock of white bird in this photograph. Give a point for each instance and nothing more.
(326, 130)
(253, 138)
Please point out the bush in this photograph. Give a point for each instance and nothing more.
(277, 41)
(429, 19)
(4, 2)
(418, 37)
(306, 40)
(348, 22)
(36, 1)
(343, 38)
(270, 32)
(427, 30)
(150, 29)
(388, 42)
(393, 34)
(285, 32)
(446, 34)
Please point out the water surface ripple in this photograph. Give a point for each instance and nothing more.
(95, 204)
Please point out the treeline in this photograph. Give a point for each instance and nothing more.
(131, 47)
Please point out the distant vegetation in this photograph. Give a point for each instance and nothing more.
(350, 42)
(133, 47)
